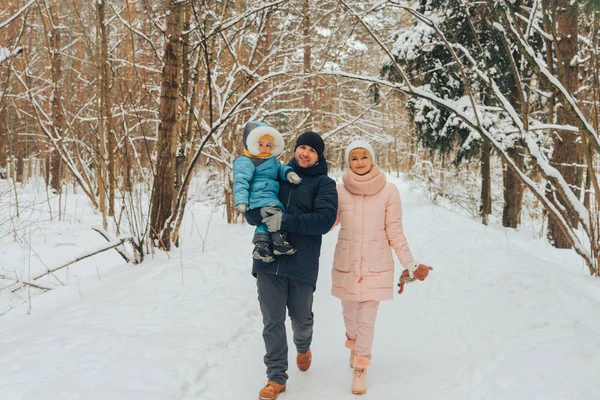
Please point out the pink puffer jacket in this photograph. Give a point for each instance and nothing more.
(370, 214)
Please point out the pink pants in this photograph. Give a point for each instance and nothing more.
(359, 318)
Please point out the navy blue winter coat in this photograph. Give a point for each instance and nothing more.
(311, 210)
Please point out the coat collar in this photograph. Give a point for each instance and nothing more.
(320, 168)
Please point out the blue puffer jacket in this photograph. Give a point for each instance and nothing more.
(311, 212)
(255, 181)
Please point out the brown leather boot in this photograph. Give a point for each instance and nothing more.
(303, 360)
(271, 391)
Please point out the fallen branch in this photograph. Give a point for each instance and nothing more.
(30, 284)
(122, 252)
(107, 246)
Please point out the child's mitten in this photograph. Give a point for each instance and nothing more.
(242, 207)
(293, 177)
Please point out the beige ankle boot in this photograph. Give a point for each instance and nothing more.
(351, 344)
(359, 375)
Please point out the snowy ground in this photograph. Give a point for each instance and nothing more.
(502, 316)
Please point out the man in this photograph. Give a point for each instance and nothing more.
(289, 282)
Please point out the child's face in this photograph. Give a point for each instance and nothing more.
(264, 146)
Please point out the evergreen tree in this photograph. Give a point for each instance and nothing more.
(433, 67)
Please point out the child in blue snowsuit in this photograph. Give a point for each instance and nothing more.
(255, 185)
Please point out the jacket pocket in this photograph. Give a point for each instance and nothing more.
(341, 257)
(380, 257)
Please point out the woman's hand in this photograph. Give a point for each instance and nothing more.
(402, 282)
(422, 271)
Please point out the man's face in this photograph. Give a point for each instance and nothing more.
(306, 156)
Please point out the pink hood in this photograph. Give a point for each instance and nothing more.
(370, 214)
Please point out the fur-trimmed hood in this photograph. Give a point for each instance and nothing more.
(254, 130)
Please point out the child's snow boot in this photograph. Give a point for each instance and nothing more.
(280, 244)
(271, 391)
(351, 344)
(263, 252)
(303, 360)
(359, 377)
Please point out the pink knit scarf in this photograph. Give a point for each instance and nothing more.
(367, 184)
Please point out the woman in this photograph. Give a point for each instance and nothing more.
(370, 215)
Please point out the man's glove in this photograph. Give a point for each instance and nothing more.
(273, 222)
(242, 207)
(268, 211)
(293, 177)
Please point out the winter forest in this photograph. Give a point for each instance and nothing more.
(120, 121)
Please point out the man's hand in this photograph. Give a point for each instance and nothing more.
(268, 211)
(422, 271)
(273, 222)
(293, 177)
(242, 207)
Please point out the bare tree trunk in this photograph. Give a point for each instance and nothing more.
(129, 85)
(30, 167)
(186, 140)
(3, 140)
(180, 159)
(164, 181)
(230, 201)
(55, 172)
(513, 187)
(513, 190)
(107, 146)
(58, 118)
(129, 46)
(47, 162)
(567, 155)
(306, 41)
(486, 182)
(20, 167)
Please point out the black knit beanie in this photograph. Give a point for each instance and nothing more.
(313, 140)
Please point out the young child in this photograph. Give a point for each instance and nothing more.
(255, 185)
(370, 215)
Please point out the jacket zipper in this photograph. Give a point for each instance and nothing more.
(286, 207)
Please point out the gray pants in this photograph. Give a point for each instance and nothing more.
(275, 294)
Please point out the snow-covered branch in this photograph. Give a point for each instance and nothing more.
(17, 14)
(6, 54)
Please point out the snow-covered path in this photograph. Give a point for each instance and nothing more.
(501, 317)
(498, 319)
